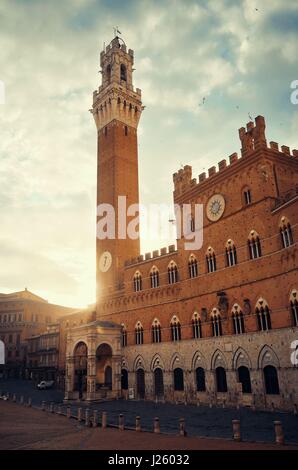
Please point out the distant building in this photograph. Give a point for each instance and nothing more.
(22, 315)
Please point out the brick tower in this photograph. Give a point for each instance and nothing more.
(116, 110)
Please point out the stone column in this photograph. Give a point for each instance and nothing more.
(91, 377)
(69, 377)
(116, 376)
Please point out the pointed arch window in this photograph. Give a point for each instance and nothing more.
(156, 331)
(139, 333)
(294, 307)
(109, 71)
(175, 329)
(211, 260)
(231, 253)
(192, 266)
(263, 315)
(286, 233)
(123, 73)
(123, 336)
(137, 282)
(238, 320)
(172, 273)
(254, 245)
(154, 277)
(216, 323)
(196, 326)
(247, 196)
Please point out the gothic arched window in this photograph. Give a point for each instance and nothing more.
(178, 379)
(109, 71)
(175, 329)
(192, 266)
(211, 260)
(286, 232)
(196, 326)
(238, 320)
(154, 277)
(172, 272)
(216, 323)
(200, 379)
(294, 306)
(156, 331)
(123, 336)
(123, 74)
(263, 315)
(221, 380)
(271, 380)
(231, 253)
(137, 281)
(254, 245)
(139, 333)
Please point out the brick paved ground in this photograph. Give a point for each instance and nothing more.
(27, 428)
(200, 421)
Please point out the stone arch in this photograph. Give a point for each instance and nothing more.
(139, 363)
(176, 362)
(198, 360)
(267, 357)
(241, 358)
(157, 363)
(104, 343)
(218, 360)
(77, 343)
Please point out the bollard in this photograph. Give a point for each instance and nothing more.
(156, 426)
(79, 415)
(21, 400)
(68, 412)
(121, 422)
(51, 407)
(95, 418)
(236, 430)
(29, 402)
(87, 417)
(182, 430)
(198, 402)
(104, 420)
(14, 398)
(138, 424)
(279, 435)
(59, 410)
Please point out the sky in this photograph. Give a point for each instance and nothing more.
(203, 67)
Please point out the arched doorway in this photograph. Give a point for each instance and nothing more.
(221, 380)
(104, 367)
(124, 379)
(158, 382)
(200, 379)
(244, 379)
(80, 364)
(141, 384)
(271, 380)
(178, 379)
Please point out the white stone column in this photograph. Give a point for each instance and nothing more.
(91, 377)
(69, 377)
(116, 376)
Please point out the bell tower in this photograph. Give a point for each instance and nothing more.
(116, 110)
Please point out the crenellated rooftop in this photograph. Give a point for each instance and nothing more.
(151, 255)
(252, 138)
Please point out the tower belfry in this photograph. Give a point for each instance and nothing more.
(116, 110)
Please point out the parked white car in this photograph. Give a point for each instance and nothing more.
(45, 384)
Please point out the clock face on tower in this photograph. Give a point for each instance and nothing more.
(215, 207)
(105, 261)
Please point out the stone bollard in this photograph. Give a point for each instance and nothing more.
(95, 419)
(121, 422)
(59, 410)
(182, 430)
(279, 435)
(138, 424)
(87, 417)
(104, 420)
(156, 426)
(51, 407)
(236, 430)
(80, 415)
(295, 409)
(68, 412)
(29, 402)
(14, 398)
(21, 400)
